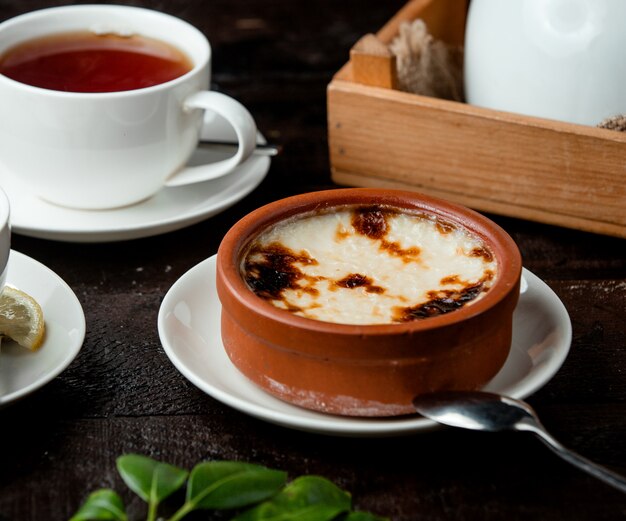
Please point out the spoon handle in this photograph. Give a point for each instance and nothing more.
(600, 472)
(261, 149)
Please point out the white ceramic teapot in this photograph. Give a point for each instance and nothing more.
(558, 59)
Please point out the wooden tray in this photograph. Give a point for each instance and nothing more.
(509, 164)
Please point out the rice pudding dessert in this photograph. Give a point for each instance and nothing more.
(368, 265)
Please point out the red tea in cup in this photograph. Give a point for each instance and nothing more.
(88, 62)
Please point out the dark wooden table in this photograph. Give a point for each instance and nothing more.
(122, 394)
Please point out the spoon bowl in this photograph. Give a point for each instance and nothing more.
(491, 412)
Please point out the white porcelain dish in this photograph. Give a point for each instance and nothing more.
(189, 329)
(169, 210)
(21, 371)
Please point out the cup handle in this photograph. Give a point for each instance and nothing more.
(245, 128)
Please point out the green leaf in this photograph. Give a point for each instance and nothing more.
(231, 484)
(151, 480)
(307, 498)
(101, 504)
(148, 478)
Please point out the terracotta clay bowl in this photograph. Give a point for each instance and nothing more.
(365, 370)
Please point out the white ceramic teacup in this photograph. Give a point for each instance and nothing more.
(558, 59)
(105, 150)
(5, 237)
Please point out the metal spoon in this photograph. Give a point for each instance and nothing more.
(269, 149)
(492, 412)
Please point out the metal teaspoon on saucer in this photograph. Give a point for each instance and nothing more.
(267, 149)
(484, 411)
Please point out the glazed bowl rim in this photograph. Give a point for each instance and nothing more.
(239, 236)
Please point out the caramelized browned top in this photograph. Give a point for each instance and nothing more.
(293, 279)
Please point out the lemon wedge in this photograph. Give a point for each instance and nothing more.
(21, 318)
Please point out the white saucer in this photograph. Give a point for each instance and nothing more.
(169, 210)
(23, 371)
(189, 329)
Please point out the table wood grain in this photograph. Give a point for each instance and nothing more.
(122, 394)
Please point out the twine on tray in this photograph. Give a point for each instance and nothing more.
(425, 65)
(614, 123)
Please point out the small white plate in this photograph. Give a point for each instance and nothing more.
(169, 210)
(23, 371)
(189, 329)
